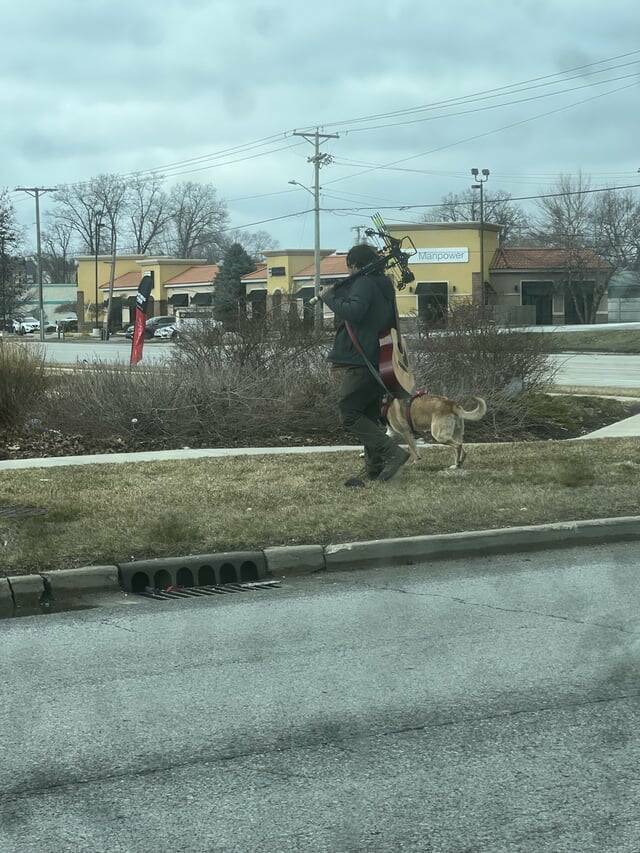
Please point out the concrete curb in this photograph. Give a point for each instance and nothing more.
(354, 555)
(295, 559)
(6, 598)
(29, 591)
(67, 583)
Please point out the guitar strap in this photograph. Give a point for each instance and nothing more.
(360, 351)
(356, 344)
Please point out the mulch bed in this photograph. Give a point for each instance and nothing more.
(553, 422)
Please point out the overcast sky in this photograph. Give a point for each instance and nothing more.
(123, 85)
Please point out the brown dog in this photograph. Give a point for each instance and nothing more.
(443, 417)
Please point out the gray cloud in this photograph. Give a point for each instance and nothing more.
(118, 86)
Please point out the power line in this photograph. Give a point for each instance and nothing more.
(394, 163)
(224, 152)
(489, 201)
(171, 169)
(483, 92)
(486, 107)
(251, 224)
(165, 175)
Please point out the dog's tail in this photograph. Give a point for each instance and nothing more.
(475, 414)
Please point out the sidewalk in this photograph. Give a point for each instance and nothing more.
(164, 456)
(628, 428)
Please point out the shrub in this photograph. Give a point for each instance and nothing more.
(259, 385)
(22, 384)
(475, 357)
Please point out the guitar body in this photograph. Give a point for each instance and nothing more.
(394, 365)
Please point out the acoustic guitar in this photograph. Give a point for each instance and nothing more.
(393, 365)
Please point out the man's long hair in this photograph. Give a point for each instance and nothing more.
(360, 255)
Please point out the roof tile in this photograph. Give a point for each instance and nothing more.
(541, 258)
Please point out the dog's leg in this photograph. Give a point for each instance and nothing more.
(412, 446)
(400, 427)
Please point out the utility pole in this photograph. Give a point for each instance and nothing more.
(98, 234)
(480, 186)
(318, 160)
(36, 192)
(359, 229)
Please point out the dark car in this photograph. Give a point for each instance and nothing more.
(151, 325)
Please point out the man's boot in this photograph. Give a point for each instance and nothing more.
(374, 465)
(393, 463)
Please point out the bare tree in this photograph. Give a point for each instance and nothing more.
(499, 209)
(616, 226)
(569, 220)
(14, 291)
(255, 243)
(57, 258)
(198, 219)
(77, 208)
(110, 193)
(149, 213)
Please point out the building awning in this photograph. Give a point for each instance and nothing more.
(430, 288)
(202, 299)
(181, 300)
(305, 293)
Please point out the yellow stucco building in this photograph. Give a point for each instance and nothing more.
(446, 268)
(94, 279)
(446, 265)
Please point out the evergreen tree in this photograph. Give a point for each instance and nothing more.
(229, 293)
(14, 291)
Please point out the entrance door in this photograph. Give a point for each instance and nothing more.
(540, 295)
(258, 301)
(115, 321)
(433, 303)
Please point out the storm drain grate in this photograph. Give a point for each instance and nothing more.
(194, 572)
(173, 592)
(21, 511)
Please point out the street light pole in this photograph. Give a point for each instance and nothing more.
(318, 161)
(99, 227)
(480, 186)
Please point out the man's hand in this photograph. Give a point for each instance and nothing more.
(325, 290)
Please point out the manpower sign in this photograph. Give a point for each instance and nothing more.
(447, 255)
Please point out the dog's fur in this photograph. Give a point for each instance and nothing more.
(442, 416)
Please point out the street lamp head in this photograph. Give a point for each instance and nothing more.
(485, 172)
(474, 172)
(295, 183)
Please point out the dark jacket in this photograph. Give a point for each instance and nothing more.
(367, 304)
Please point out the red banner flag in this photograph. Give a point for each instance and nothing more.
(140, 322)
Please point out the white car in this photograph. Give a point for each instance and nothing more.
(170, 332)
(26, 325)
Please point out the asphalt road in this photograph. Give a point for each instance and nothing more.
(610, 370)
(605, 370)
(488, 705)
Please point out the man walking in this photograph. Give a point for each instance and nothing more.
(365, 305)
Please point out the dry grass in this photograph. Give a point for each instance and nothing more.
(117, 512)
(612, 340)
(596, 391)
